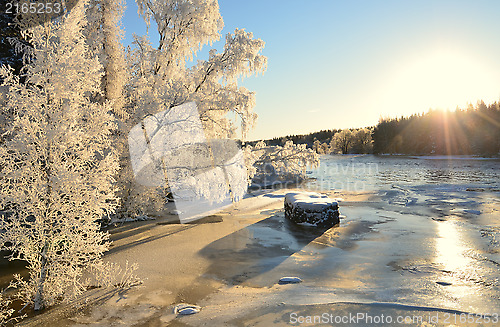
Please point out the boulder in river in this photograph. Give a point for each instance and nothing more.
(311, 209)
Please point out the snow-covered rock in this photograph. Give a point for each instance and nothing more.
(312, 209)
(289, 280)
(186, 309)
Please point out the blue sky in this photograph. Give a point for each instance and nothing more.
(342, 64)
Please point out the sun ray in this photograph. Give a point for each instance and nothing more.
(487, 118)
(446, 130)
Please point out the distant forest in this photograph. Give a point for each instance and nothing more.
(475, 130)
(471, 131)
(322, 136)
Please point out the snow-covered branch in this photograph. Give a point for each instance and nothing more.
(277, 165)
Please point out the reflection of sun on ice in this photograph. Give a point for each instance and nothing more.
(450, 250)
(461, 268)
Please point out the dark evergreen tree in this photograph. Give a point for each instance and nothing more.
(8, 29)
(475, 130)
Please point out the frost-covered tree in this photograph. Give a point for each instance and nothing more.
(6, 310)
(342, 141)
(160, 77)
(352, 141)
(317, 146)
(321, 148)
(104, 33)
(56, 177)
(362, 140)
(280, 164)
(8, 31)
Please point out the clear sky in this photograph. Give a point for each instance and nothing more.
(342, 64)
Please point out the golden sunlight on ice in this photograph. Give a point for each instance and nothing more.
(450, 250)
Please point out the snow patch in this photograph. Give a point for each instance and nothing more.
(309, 201)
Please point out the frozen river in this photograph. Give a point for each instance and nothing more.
(419, 238)
(368, 172)
(433, 239)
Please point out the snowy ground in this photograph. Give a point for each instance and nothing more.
(385, 258)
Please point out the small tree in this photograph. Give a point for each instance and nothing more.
(56, 177)
(362, 141)
(317, 146)
(342, 141)
(5, 310)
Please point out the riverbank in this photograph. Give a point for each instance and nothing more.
(382, 259)
(180, 262)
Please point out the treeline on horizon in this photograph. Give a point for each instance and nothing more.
(474, 130)
(322, 136)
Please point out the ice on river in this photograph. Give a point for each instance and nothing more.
(433, 239)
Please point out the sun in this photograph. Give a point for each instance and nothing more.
(447, 79)
(439, 79)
